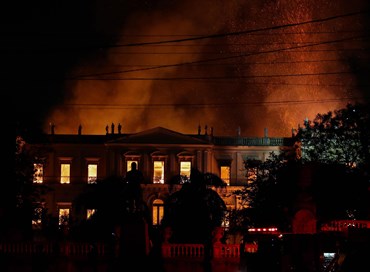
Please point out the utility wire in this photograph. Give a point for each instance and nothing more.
(219, 77)
(236, 33)
(206, 105)
(230, 34)
(220, 58)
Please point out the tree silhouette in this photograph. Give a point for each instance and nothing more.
(194, 211)
(116, 201)
(268, 196)
(342, 136)
(23, 195)
(335, 146)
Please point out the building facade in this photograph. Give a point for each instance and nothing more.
(71, 163)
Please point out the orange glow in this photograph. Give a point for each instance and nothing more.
(276, 90)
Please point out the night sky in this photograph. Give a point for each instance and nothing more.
(179, 64)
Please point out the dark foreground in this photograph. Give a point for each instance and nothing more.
(50, 264)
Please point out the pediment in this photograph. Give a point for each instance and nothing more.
(159, 135)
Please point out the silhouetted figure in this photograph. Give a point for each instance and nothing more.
(112, 126)
(79, 129)
(134, 178)
(119, 128)
(134, 175)
(199, 129)
(52, 128)
(107, 129)
(206, 130)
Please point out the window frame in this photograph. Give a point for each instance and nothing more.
(38, 178)
(64, 206)
(133, 157)
(228, 179)
(185, 156)
(65, 161)
(159, 157)
(158, 209)
(92, 161)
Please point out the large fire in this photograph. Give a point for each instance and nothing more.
(272, 79)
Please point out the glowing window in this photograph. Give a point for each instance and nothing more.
(252, 174)
(92, 173)
(185, 168)
(226, 219)
(158, 173)
(63, 216)
(225, 174)
(38, 174)
(129, 165)
(65, 173)
(90, 212)
(37, 218)
(158, 210)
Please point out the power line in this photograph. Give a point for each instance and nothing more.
(217, 77)
(236, 33)
(236, 63)
(207, 105)
(233, 52)
(220, 58)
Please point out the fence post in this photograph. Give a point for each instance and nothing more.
(218, 232)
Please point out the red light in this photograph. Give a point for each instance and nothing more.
(267, 230)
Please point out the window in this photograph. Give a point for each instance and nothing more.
(158, 210)
(158, 173)
(37, 218)
(252, 166)
(186, 160)
(129, 162)
(38, 172)
(226, 220)
(128, 158)
(225, 174)
(252, 174)
(89, 213)
(92, 169)
(185, 169)
(92, 173)
(65, 173)
(64, 216)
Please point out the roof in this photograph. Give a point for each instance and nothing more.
(158, 135)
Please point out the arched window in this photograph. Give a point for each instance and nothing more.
(158, 211)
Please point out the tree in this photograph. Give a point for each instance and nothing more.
(194, 211)
(335, 146)
(341, 136)
(267, 197)
(23, 195)
(116, 201)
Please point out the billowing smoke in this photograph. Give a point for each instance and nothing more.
(273, 78)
